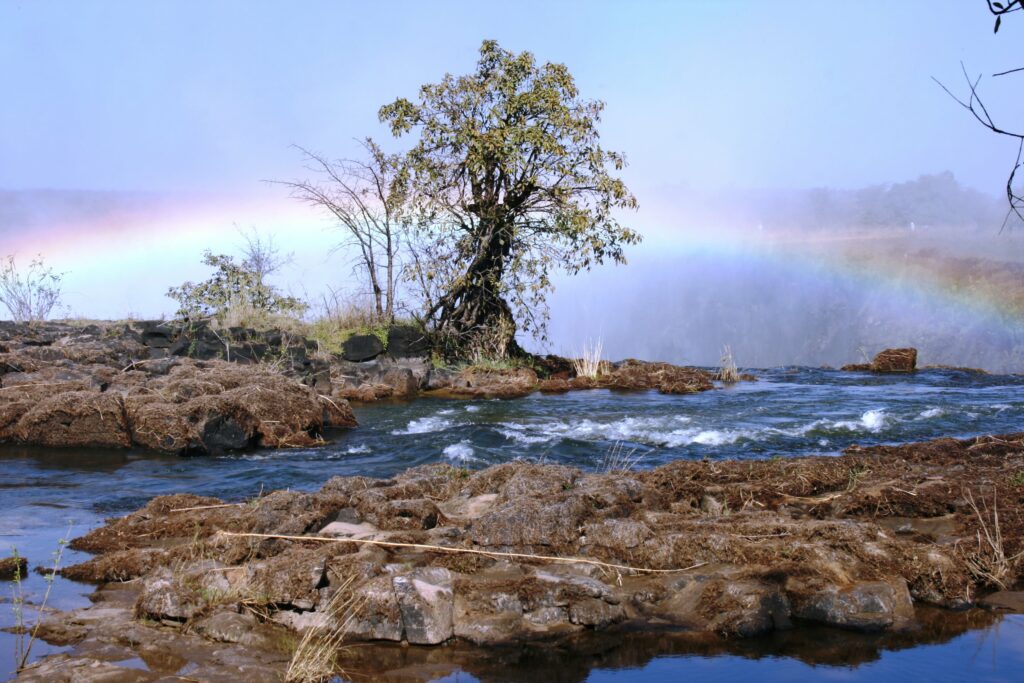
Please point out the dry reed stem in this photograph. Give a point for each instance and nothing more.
(316, 657)
(989, 563)
(589, 362)
(470, 551)
(728, 371)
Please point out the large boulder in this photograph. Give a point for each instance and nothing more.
(76, 419)
(362, 347)
(863, 606)
(407, 340)
(888, 361)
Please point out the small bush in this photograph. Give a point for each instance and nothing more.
(234, 289)
(30, 296)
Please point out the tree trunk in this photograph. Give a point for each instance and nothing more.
(475, 320)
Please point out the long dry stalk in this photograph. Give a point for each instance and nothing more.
(988, 562)
(619, 459)
(316, 658)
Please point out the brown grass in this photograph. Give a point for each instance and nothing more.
(316, 657)
(988, 561)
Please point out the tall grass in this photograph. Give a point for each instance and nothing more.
(727, 371)
(988, 562)
(619, 459)
(589, 362)
(317, 656)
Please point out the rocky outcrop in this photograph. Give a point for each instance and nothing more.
(13, 567)
(888, 361)
(84, 387)
(513, 382)
(523, 552)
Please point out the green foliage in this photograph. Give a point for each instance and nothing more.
(510, 183)
(232, 287)
(1017, 479)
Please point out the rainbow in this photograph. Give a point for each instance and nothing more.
(982, 289)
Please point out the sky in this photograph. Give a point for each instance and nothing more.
(209, 96)
(193, 106)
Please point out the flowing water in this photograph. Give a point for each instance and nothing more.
(788, 412)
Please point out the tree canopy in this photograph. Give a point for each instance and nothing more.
(510, 183)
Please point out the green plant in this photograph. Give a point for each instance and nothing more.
(1017, 479)
(854, 475)
(23, 648)
(30, 296)
(235, 291)
(520, 149)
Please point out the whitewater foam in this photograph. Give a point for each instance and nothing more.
(424, 425)
(460, 451)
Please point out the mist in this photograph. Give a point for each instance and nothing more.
(814, 277)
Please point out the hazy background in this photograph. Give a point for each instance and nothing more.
(777, 150)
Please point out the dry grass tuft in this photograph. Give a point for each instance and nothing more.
(988, 561)
(589, 362)
(316, 657)
(728, 372)
(619, 459)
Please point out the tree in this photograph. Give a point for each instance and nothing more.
(261, 256)
(974, 104)
(368, 200)
(510, 182)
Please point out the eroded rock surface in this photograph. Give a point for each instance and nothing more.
(63, 386)
(888, 361)
(860, 542)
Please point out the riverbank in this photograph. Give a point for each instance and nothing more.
(861, 541)
(193, 389)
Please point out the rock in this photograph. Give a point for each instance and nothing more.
(418, 513)
(895, 360)
(361, 347)
(376, 615)
(234, 627)
(402, 382)
(888, 361)
(864, 606)
(425, 601)
(529, 522)
(554, 386)
(165, 598)
(337, 412)
(407, 340)
(1005, 601)
(223, 433)
(485, 382)
(291, 578)
(13, 567)
(76, 419)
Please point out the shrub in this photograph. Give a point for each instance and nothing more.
(234, 290)
(30, 296)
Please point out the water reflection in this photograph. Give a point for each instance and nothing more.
(971, 645)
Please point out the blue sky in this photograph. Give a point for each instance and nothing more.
(209, 95)
(201, 102)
